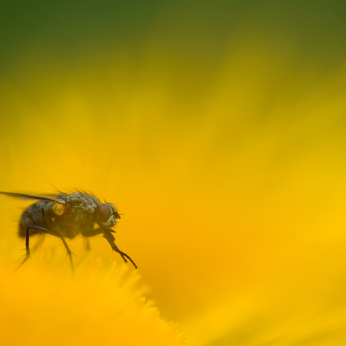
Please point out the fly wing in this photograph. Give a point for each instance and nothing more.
(42, 198)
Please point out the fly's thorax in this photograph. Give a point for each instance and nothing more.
(80, 201)
(78, 213)
(74, 214)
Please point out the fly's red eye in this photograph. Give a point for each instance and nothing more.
(105, 212)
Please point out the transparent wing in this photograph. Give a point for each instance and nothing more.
(42, 198)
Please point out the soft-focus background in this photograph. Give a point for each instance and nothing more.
(218, 130)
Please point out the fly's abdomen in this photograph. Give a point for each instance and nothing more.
(34, 215)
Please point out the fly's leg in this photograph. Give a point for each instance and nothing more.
(39, 243)
(87, 244)
(47, 231)
(90, 233)
(110, 238)
(69, 252)
(107, 233)
(87, 235)
(87, 250)
(27, 246)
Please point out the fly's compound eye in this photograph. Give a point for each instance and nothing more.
(59, 209)
(105, 212)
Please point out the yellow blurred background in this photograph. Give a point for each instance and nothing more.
(216, 128)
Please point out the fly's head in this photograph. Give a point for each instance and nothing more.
(106, 215)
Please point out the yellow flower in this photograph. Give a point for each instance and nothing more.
(44, 304)
(220, 137)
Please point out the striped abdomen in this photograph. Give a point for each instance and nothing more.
(34, 215)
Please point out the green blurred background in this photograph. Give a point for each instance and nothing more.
(216, 127)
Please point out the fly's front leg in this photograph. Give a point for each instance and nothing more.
(107, 233)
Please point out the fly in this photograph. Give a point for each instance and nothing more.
(67, 215)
